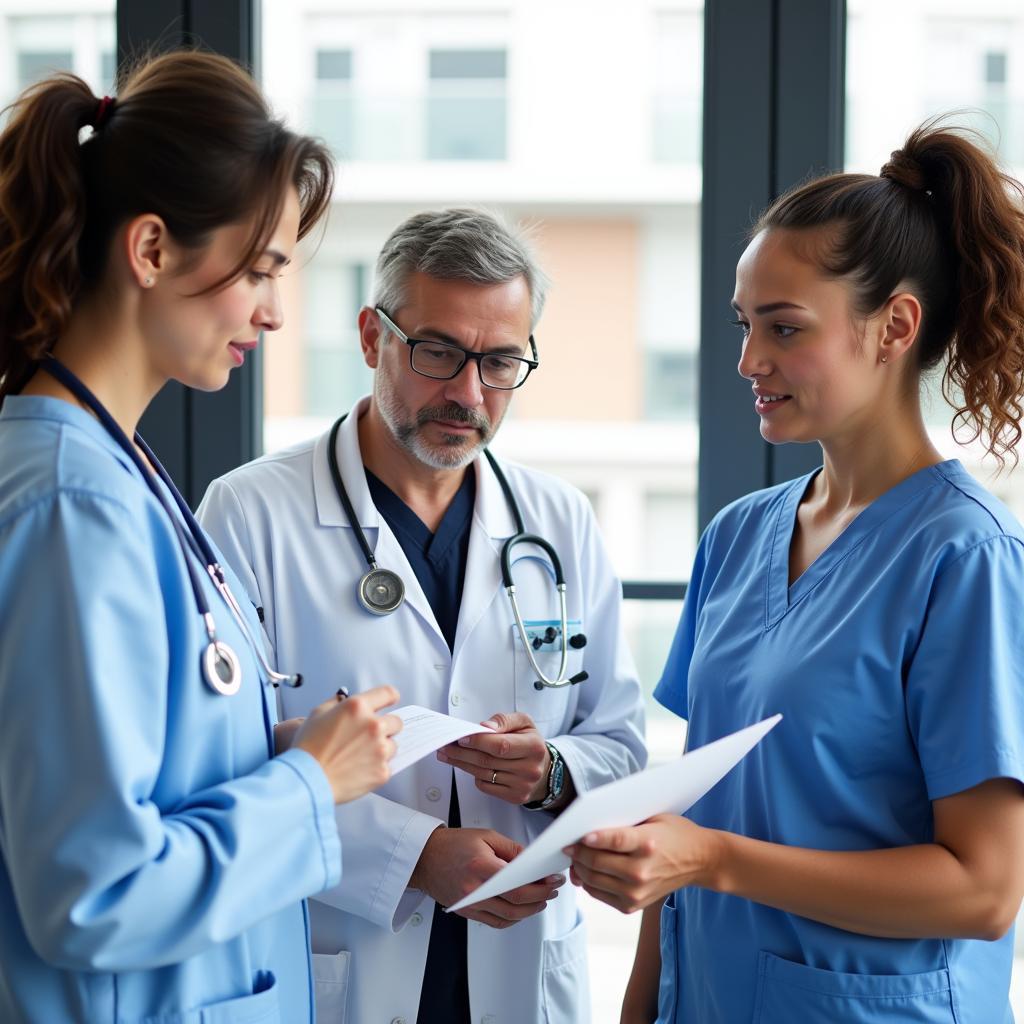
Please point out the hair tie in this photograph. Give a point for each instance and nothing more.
(907, 173)
(104, 109)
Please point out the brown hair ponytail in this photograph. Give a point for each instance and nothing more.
(189, 138)
(42, 216)
(945, 221)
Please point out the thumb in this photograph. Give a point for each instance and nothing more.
(505, 848)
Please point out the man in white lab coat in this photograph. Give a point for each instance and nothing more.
(449, 336)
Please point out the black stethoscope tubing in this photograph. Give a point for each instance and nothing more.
(520, 537)
(220, 665)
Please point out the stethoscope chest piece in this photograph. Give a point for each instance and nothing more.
(222, 669)
(381, 591)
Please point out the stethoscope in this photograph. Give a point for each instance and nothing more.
(221, 667)
(381, 591)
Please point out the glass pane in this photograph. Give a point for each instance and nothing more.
(940, 59)
(81, 39)
(595, 146)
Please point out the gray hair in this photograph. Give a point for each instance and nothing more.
(460, 244)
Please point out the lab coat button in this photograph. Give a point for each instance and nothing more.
(456, 700)
(416, 920)
(434, 794)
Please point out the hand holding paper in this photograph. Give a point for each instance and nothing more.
(424, 731)
(670, 788)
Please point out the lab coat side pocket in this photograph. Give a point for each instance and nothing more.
(668, 986)
(261, 1007)
(330, 982)
(789, 991)
(565, 982)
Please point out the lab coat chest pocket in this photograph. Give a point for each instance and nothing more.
(566, 986)
(788, 991)
(548, 705)
(330, 979)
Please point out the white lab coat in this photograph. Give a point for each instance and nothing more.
(280, 524)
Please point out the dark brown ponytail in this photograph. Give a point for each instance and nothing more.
(189, 138)
(942, 218)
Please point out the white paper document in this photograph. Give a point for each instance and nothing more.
(424, 731)
(674, 787)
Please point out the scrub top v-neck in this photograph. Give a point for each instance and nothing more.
(439, 561)
(897, 661)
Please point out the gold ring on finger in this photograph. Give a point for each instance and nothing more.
(494, 777)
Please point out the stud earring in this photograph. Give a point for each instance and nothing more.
(148, 281)
(885, 358)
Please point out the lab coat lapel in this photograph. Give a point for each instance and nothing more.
(492, 526)
(331, 513)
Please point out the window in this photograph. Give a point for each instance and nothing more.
(678, 85)
(80, 40)
(332, 116)
(466, 105)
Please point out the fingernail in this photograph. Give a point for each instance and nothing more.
(569, 851)
(490, 723)
(553, 879)
(441, 757)
(590, 839)
(552, 894)
(464, 742)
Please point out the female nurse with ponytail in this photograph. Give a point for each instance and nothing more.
(866, 861)
(156, 839)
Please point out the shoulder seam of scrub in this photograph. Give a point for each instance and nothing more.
(58, 492)
(974, 547)
(975, 501)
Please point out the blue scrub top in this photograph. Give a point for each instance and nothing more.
(897, 660)
(153, 853)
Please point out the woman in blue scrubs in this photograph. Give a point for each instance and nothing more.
(154, 852)
(866, 861)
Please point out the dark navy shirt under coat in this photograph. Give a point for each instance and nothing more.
(439, 561)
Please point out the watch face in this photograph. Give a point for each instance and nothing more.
(557, 777)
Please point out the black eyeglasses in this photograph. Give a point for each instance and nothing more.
(442, 361)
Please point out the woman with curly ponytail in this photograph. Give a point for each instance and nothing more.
(866, 861)
(154, 852)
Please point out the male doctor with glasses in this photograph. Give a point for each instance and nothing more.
(449, 337)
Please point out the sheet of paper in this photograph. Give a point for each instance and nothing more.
(674, 787)
(424, 731)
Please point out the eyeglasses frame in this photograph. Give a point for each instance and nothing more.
(477, 357)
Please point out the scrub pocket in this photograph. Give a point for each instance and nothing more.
(668, 986)
(565, 982)
(548, 705)
(259, 1008)
(789, 992)
(330, 981)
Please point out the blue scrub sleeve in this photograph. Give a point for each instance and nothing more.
(104, 879)
(671, 691)
(965, 682)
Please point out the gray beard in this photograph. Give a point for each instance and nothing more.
(457, 451)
